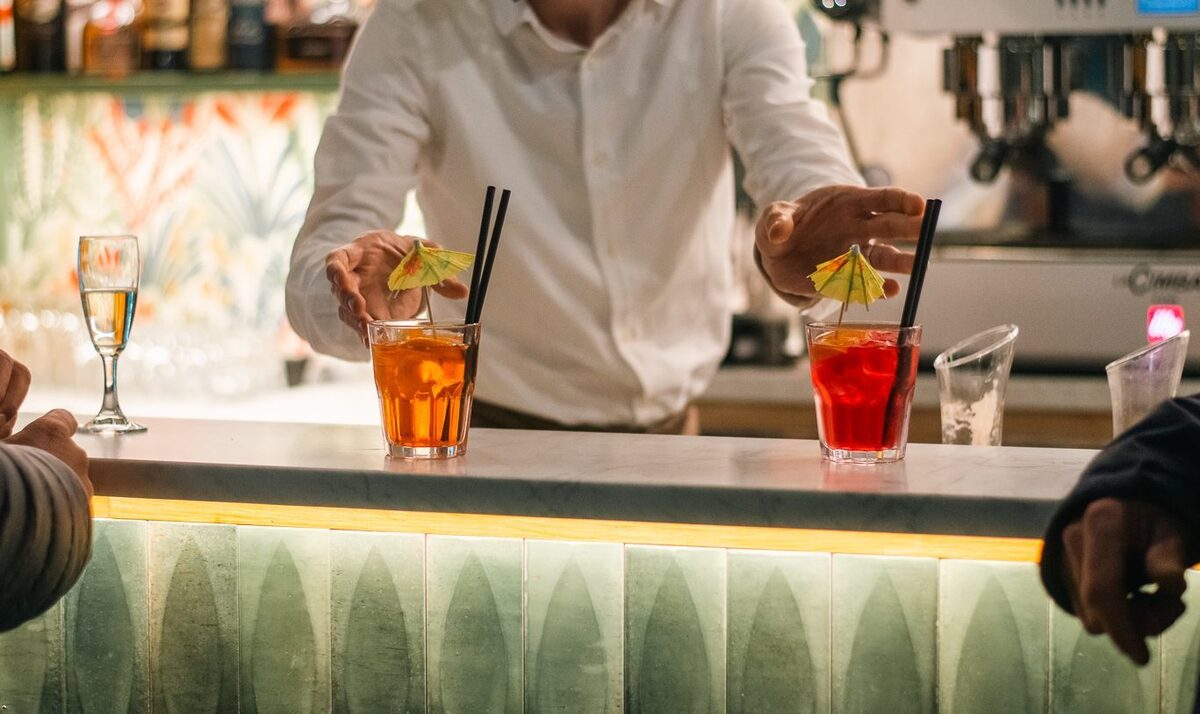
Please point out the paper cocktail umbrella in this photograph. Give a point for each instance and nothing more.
(424, 266)
(849, 278)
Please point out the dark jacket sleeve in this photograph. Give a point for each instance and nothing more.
(1157, 460)
(45, 532)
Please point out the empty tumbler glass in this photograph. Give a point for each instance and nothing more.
(1144, 378)
(972, 378)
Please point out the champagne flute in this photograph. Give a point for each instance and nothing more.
(108, 287)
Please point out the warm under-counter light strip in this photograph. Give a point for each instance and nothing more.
(470, 524)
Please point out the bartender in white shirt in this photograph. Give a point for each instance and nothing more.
(612, 122)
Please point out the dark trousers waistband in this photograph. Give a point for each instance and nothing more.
(492, 416)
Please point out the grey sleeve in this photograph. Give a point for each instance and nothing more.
(45, 532)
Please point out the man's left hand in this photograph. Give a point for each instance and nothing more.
(792, 237)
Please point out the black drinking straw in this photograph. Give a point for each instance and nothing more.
(933, 207)
(486, 276)
(477, 266)
(908, 317)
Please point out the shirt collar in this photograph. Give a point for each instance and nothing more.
(509, 14)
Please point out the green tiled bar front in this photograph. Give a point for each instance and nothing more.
(173, 617)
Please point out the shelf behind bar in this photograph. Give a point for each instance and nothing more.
(183, 83)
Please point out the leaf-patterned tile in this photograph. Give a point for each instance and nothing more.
(1181, 653)
(31, 665)
(107, 624)
(994, 638)
(574, 623)
(473, 624)
(884, 624)
(778, 653)
(193, 617)
(1090, 676)
(283, 611)
(378, 622)
(674, 629)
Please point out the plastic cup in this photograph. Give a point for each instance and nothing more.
(1145, 378)
(425, 378)
(863, 377)
(972, 378)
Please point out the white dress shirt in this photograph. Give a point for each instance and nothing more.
(609, 300)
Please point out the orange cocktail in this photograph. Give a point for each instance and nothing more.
(425, 377)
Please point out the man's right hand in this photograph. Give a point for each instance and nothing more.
(52, 432)
(1113, 550)
(14, 385)
(358, 274)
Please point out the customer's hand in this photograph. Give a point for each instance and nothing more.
(53, 432)
(792, 237)
(1111, 552)
(14, 385)
(358, 274)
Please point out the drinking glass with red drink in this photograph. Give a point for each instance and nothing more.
(863, 377)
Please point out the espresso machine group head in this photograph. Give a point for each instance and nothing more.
(1011, 66)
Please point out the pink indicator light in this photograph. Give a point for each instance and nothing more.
(1163, 321)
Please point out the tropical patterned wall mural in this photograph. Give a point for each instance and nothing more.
(215, 187)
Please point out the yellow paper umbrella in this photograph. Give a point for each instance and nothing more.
(424, 266)
(850, 278)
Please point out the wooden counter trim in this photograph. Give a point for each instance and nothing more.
(576, 529)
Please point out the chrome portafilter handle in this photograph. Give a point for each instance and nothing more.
(1010, 91)
(1156, 81)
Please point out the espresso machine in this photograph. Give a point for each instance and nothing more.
(1076, 271)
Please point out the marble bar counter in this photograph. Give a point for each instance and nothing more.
(1042, 410)
(726, 481)
(243, 562)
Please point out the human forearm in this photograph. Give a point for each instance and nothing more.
(45, 532)
(364, 168)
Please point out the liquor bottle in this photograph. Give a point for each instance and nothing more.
(8, 47)
(319, 41)
(40, 32)
(165, 34)
(249, 35)
(210, 18)
(78, 12)
(111, 46)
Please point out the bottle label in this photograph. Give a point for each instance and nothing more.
(165, 39)
(208, 41)
(246, 26)
(113, 54)
(38, 12)
(166, 10)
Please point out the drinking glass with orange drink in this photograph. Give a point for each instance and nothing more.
(863, 376)
(425, 378)
(425, 370)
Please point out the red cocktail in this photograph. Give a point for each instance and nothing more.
(863, 377)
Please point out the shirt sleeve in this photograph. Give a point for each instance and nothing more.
(45, 532)
(365, 165)
(1156, 461)
(785, 138)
